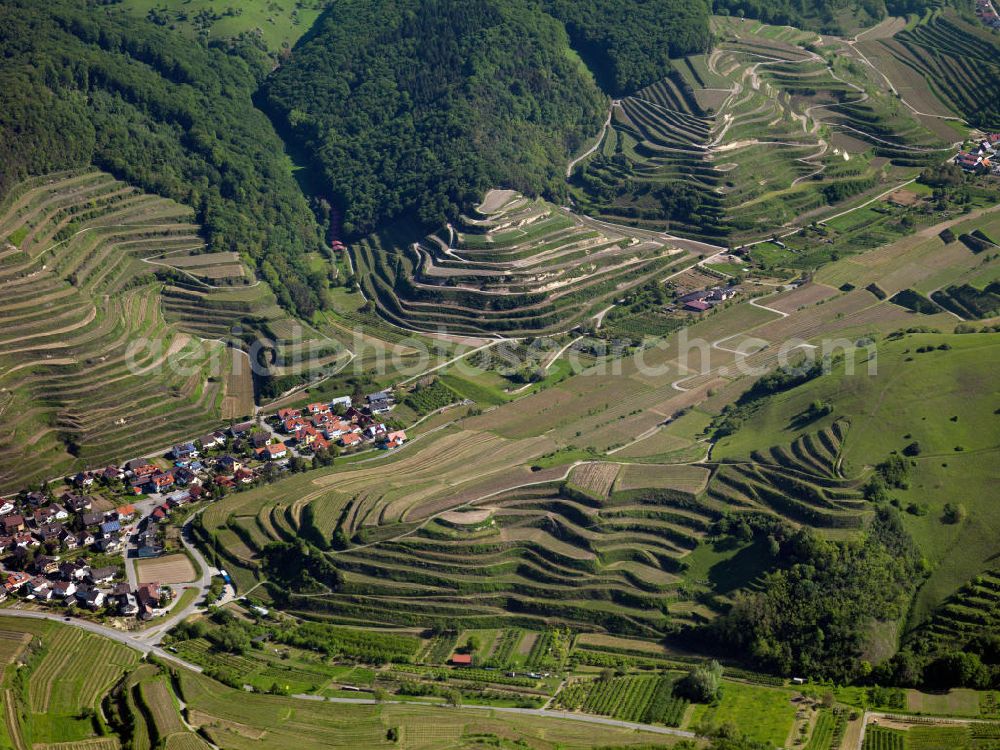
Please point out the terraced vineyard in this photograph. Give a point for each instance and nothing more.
(763, 134)
(516, 266)
(955, 58)
(972, 610)
(569, 552)
(802, 482)
(96, 364)
(85, 341)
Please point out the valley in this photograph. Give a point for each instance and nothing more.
(596, 375)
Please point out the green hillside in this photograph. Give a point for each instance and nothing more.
(934, 402)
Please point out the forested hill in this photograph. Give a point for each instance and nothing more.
(421, 105)
(628, 45)
(80, 84)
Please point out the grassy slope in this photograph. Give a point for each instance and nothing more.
(913, 398)
(280, 24)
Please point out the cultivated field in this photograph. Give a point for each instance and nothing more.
(167, 569)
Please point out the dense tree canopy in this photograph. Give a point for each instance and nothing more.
(83, 84)
(421, 105)
(629, 44)
(826, 16)
(812, 615)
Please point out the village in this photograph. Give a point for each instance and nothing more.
(985, 157)
(71, 545)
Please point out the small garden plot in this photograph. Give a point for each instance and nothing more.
(503, 647)
(882, 738)
(167, 569)
(769, 254)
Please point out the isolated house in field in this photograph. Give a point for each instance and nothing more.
(720, 294)
(461, 660)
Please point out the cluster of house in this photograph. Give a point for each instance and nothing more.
(75, 583)
(984, 158)
(143, 476)
(987, 13)
(33, 519)
(321, 424)
(705, 299)
(314, 428)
